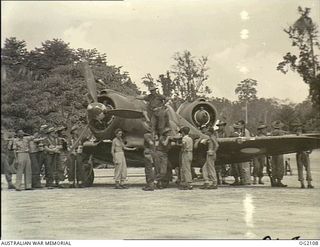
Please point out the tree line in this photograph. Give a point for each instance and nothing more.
(46, 85)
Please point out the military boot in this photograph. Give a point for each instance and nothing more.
(149, 187)
(123, 186)
(280, 184)
(118, 186)
(213, 187)
(310, 186)
(260, 181)
(205, 186)
(11, 186)
(158, 185)
(254, 180)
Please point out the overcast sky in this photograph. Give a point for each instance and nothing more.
(242, 38)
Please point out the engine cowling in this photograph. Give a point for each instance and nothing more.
(200, 112)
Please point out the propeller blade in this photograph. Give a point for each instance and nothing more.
(123, 113)
(91, 83)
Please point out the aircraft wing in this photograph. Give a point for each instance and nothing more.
(241, 149)
(231, 150)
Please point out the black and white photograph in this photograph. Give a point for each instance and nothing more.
(160, 120)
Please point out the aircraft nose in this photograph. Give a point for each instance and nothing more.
(95, 109)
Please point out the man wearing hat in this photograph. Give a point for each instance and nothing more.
(236, 167)
(21, 152)
(156, 110)
(42, 156)
(245, 166)
(208, 169)
(277, 161)
(119, 159)
(75, 162)
(259, 161)
(161, 158)
(221, 168)
(5, 162)
(61, 155)
(51, 148)
(186, 155)
(34, 158)
(303, 161)
(149, 150)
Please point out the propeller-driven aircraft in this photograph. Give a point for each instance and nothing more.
(110, 110)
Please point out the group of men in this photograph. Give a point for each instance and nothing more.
(48, 151)
(275, 164)
(156, 155)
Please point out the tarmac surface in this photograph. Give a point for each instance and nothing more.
(101, 212)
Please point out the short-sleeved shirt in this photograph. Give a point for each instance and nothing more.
(154, 101)
(187, 144)
(21, 145)
(211, 144)
(117, 145)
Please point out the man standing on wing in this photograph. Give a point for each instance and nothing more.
(157, 112)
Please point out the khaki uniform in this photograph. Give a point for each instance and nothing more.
(245, 172)
(75, 163)
(42, 156)
(303, 161)
(236, 167)
(208, 169)
(120, 170)
(221, 168)
(61, 157)
(51, 143)
(259, 163)
(34, 156)
(186, 160)
(161, 160)
(21, 148)
(149, 159)
(277, 161)
(5, 161)
(242, 169)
